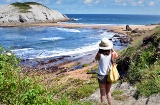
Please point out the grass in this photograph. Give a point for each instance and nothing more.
(143, 58)
(117, 92)
(24, 7)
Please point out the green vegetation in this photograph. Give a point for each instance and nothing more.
(17, 88)
(118, 95)
(117, 92)
(24, 7)
(141, 61)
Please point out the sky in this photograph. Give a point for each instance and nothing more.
(150, 7)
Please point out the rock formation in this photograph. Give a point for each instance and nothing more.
(128, 28)
(29, 12)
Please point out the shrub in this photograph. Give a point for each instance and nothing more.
(141, 62)
(15, 87)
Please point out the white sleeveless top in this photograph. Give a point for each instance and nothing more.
(104, 64)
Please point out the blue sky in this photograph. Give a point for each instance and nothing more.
(151, 7)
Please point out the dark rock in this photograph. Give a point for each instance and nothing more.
(125, 40)
(128, 28)
(135, 31)
(21, 19)
(148, 39)
(116, 35)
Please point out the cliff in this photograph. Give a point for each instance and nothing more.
(29, 12)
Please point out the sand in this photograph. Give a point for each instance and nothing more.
(115, 28)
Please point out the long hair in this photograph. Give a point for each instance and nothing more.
(105, 52)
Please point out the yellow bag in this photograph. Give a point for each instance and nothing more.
(113, 74)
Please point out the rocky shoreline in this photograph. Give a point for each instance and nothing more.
(122, 37)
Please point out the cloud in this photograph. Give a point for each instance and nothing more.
(151, 3)
(8, 0)
(58, 2)
(129, 2)
(140, 2)
(88, 1)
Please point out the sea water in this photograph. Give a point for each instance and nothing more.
(43, 42)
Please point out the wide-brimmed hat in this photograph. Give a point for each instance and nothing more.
(105, 44)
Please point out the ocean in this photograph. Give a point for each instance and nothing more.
(114, 19)
(44, 42)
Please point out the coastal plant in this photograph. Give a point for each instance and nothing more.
(16, 87)
(117, 92)
(84, 90)
(24, 7)
(140, 62)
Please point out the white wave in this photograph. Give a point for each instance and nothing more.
(27, 53)
(77, 19)
(30, 53)
(52, 39)
(24, 49)
(68, 30)
(107, 34)
(63, 52)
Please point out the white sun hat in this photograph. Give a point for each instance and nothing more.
(105, 44)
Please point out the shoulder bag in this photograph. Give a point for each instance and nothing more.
(113, 74)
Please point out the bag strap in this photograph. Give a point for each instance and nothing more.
(112, 59)
(111, 62)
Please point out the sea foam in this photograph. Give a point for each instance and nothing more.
(68, 30)
(52, 38)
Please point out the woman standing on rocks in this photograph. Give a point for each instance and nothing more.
(104, 57)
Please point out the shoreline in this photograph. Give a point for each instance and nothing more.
(120, 29)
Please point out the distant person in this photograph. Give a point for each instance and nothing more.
(104, 56)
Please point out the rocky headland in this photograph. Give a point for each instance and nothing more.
(28, 12)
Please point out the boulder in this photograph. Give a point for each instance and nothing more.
(128, 28)
(135, 31)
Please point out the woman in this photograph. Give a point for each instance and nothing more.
(104, 57)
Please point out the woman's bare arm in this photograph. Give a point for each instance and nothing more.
(114, 54)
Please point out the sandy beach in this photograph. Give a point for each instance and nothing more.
(115, 28)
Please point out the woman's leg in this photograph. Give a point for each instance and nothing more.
(108, 93)
(103, 92)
